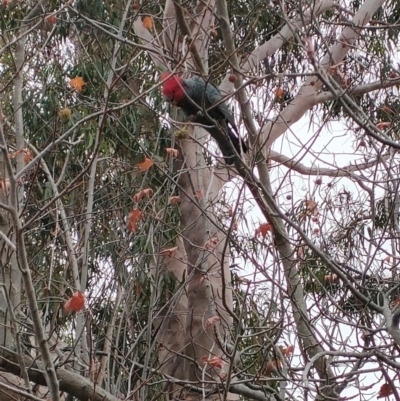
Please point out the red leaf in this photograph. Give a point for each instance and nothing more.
(385, 390)
(75, 303)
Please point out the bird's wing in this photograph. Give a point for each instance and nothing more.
(214, 96)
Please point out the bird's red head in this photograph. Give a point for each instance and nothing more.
(173, 87)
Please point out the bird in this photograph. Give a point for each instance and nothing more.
(197, 97)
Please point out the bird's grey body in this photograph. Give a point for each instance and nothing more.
(199, 101)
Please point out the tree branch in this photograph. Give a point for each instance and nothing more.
(346, 171)
(305, 99)
(180, 17)
(357, 91)
(69, 382)
(284, 35)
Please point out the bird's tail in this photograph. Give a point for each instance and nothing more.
(237, 142)
(224, 141)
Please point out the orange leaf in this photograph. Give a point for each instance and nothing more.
(210, 321)
(199, 195)
(383, 125)
(311, 207)
(28, 156)
(144, 166)
(169, 251)
(148, 22)
(263, 229)
(215, 361)
(172, 151)
(52, 19)
(77, 83)
(144, 192)
(288, 350)
(174, 199)
(230, 212)
(75, 303)
(385, 390)
(133, 220)
(279, 92)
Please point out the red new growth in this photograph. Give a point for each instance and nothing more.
(75, 303)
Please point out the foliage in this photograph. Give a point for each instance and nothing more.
(116, 203)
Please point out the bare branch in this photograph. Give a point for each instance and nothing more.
(305, 99)
(284, 35)
(347, 171)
